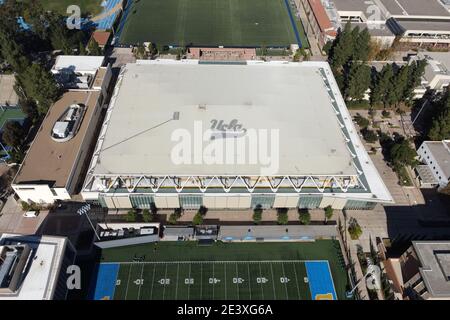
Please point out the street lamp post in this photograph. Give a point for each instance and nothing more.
(84, 211)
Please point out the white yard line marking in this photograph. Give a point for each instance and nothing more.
(141, 283)
(128, 281)
(237, 282)
(214, 284)
(225, 274)
(249, 286)
(201, 281)
(189, 287)
(165, 284)
(153, 280)
(296, 281)
(176, 288)
(260, 275)
(273, 282)
(285, 284)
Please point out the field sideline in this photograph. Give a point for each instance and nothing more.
(212, 23)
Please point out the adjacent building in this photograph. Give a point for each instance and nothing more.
(328, 16)
(77, 72)
(435, 156)
(422, 272)
(413, 22)
(34, 267)
(54, 166)
(316, 157)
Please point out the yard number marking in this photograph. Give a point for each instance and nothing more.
(238, 280)
(164, 282)
(213, 280)
(284, 280)
(189, 281)
(261, 280)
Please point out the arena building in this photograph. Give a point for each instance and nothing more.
(190, 134)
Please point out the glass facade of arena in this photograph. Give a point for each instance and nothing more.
(359, 205)
(191, 201)
(141, 201)
(264, 200)
(309, 202)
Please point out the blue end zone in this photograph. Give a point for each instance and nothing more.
(105, 283)
(320, 280)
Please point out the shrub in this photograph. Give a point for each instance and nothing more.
(257, 214)
(361, 121)
(131, 216)
(304, 216)
(354, 229)
(369, 135)
(282, 217)
(328, 213)
(146, 216)
(198, 219)
(173, 217)
(386, 114)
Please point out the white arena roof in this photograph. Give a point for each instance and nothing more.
(259, 97)
(154, 98)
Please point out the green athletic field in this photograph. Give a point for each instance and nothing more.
(211, 23)
(184, 270)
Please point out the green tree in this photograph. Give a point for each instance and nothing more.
(440, 127)
(304, 216)
(328, 213)
(173, 217)
(131, 216)
(12, 51)
(354, 229)
(381, 90)
(39, 84)
(146, 215)
(282, 216)
(13, 134)
(401, 154)
(362, 46)
(94, 49)
(361, 121)
(400, 85)
(82, 49)
(358, 81)
(369, 135)
(342, 48)
(257, 214)
(198, 219)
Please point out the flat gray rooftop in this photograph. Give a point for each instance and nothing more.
(292, 98)
(351, 5)
(425, 25)
(415, 8)
(435, 260)
(441, 152)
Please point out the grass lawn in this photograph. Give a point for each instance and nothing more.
(88, 7)
(211, 23)
(184, 270)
